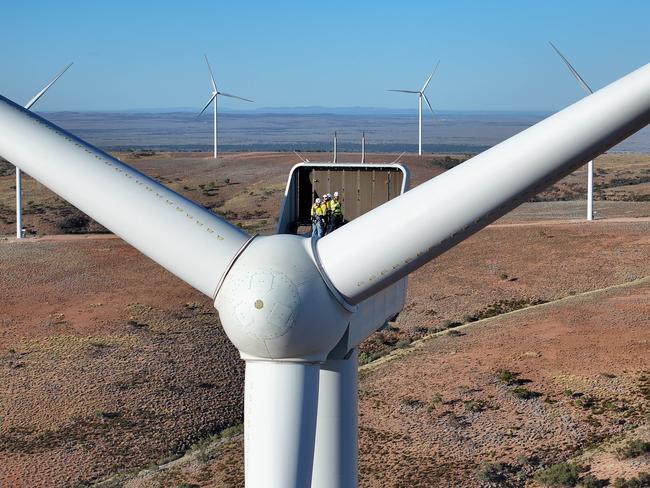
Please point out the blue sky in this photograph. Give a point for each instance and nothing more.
(493, 54)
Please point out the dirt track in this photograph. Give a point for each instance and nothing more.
(434, 414)
(595, 345)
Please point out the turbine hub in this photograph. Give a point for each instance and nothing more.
(274, 304)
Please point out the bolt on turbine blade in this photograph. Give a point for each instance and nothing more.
(435, 216)
(182, 236)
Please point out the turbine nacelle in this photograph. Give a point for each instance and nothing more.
(274, 304)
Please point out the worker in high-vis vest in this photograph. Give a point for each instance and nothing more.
(325, 210)
(317, 220)
(336, 213)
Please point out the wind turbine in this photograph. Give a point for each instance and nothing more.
(216, 93)
(19, 176)
(421, 95)
(335, 148)
(363, 147)
(293, 306)
(590, 165)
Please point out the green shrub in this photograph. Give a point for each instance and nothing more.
(641, 481)
(435, 402)
(507, 377)
(492, 472)
(475, 405)
(634, 449)
(232, 431)
(403, 343)
(74, 224)
(467, 318)
(590, 481)
(524, 393)
(559, 475)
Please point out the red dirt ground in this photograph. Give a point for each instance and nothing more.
(109, 363)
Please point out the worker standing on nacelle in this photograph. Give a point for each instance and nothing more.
(317, 220)
(325, 209)
(336, 213)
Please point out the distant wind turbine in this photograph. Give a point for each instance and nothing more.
(590, 165)
(19, 176)
(421, 95)
(213, 99)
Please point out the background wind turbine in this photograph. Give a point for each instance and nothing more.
(421, 95)
(216, 93)
(19, 176)
(590, 165)
(296, 308)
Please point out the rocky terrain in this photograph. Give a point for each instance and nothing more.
(522, 349)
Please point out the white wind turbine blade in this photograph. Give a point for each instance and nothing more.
(396, 160)
(46, 88)
(575, 74)
(214, 83)
(300, 156)
(191, 242)
(405, 91)
(433, 217)
(426, 83)
(207, 104)
(427, 100)
(235, 96)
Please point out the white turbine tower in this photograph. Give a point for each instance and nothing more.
(288, 303)
(590, 165)
(421, 95)
(19, 176)
(215, 94)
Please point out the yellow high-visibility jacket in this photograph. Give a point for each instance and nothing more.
(335, 207)
(317, 210)
(324, 208)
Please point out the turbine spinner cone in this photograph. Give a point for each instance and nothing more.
(274, 303)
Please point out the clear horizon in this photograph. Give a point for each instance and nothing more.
(301, 110)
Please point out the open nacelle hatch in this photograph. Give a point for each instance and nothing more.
(361, 187)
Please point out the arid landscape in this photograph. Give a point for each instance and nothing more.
(521, 359)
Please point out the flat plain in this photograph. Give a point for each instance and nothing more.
(523, 348)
